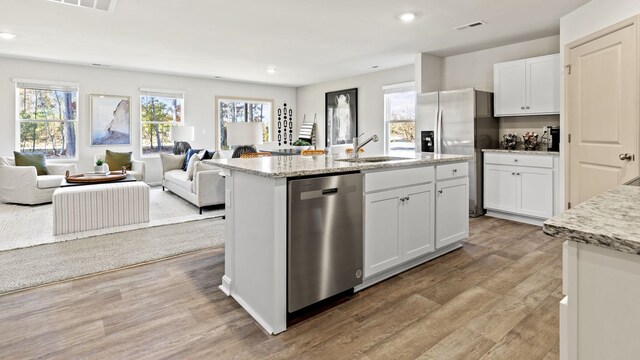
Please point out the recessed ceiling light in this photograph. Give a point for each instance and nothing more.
(6, 36)
(407, 17)
(271, 70)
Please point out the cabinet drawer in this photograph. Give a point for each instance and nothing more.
(394, 178)
(542, 161)
(450, 171)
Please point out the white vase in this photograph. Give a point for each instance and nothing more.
(98, 168)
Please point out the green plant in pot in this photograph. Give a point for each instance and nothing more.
(301, 144)
(99, 166)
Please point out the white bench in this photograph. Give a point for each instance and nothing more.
(91, 207)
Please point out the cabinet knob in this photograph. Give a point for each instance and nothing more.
(517, 174)
(522, 107)
(439, 191)
(455, 171)
(513, 173)
(515, 160)
(527, 108)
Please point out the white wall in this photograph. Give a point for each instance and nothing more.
(199, 105)
(587, 19)
(475, 69)
(310, 101)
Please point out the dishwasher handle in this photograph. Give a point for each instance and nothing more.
(330, 191)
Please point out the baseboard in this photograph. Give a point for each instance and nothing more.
(372, 280)
(515, 217)
(226, 285)
(255, 315)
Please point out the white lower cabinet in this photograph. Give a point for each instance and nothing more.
(452, 217)
(398, 226)
(520, 185)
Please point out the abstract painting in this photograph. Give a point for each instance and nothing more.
(110, 120)
(341, 116)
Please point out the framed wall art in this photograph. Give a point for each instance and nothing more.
(110, 120)
(341, 117)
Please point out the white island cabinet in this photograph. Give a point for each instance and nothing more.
(599, 314)
(401, 223)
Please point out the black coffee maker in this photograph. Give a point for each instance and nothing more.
(554, 138)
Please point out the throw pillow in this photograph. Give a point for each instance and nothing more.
(32, 159)
(188, 156)
(116, 160)
(207, 155)
(192, 166)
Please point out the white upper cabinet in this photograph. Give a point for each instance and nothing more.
(527, 86)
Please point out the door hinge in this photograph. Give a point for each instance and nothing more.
(569, 205)
(569, 138)
(568, 67)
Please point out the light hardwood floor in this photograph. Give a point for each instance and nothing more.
(497, 298)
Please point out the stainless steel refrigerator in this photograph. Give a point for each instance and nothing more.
(459, 122)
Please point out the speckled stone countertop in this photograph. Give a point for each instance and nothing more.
(532, 152)
(610, 220)
(293, 166)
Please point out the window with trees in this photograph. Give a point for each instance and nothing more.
(400, 117)
(47, 116)
(244, 110)
(159, 111)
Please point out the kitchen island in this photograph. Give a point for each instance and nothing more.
(413, 208)
(599, 315)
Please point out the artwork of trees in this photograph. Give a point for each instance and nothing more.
(242, 111)
(158, 114)
(47, 121)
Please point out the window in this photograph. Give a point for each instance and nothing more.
(400, 117)
(244, 110)
(47, 117)
(159, 111)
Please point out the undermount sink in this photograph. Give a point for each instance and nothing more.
(373, 159)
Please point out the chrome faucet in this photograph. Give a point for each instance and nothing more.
(357, 146)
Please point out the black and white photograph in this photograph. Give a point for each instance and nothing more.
(341, 116)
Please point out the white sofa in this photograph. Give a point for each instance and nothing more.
(206, 188)
(22, 185)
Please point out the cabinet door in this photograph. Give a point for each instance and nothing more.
(500, 187)
(382, 231)
(418, 220)
(509, 87)
(543, 85)
(535, 192)
(452, 211)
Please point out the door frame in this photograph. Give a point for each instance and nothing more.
(634, 20)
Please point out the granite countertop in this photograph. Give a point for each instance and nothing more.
(292, 166)
(610, 220)
(532, 152)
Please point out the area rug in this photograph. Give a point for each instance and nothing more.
(44, 264)
(23, 226)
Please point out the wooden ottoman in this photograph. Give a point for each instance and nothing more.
(91, 207)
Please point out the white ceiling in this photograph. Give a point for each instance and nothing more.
(306, 41)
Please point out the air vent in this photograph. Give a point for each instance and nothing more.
(470, 25)
(105, 5)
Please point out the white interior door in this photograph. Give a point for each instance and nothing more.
(602, 113)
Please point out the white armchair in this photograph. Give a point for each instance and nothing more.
(22, 185)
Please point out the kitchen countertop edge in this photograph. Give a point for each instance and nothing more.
(532, 152)
(343, 168)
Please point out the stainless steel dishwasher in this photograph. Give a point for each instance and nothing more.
(324, 238)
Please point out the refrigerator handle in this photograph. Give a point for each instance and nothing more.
(438, 139)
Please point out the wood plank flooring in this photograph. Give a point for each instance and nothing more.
(496, 298)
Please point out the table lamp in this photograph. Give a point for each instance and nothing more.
(244, 135)
(181, 135)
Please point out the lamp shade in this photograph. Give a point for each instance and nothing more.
(244, 133)
(182, 133)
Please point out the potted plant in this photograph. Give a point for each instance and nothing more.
(301, 144)
(99, 166)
